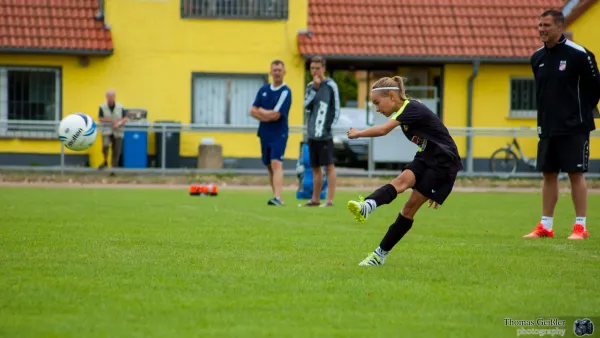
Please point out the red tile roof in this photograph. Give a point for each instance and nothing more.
(54, 26)
(420, 29)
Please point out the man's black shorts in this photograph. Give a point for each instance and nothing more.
(433, 182)
(564, 153)
(321, 152)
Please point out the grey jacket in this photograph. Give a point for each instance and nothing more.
(322, 109)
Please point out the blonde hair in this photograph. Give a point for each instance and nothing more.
(391, 83)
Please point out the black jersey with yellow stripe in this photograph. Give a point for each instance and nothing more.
(425, 129)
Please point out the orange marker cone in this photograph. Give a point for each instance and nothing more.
(194, 190)
(203, 190)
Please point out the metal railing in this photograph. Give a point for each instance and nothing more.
(26, 130)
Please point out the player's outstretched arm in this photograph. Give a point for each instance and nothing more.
(375, 131)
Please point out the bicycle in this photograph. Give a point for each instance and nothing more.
(508, 160)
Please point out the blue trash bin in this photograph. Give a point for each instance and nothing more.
(135, 149)
(305, 176)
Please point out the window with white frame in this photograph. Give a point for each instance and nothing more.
(28, 94)
(523, 102)
(224, 99)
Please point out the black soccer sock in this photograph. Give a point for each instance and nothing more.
(384, 195)
(396, 232)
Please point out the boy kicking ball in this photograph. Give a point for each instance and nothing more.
(431, 174)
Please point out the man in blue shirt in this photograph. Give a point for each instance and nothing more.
(271, 107)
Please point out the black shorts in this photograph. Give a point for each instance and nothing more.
(565, 153)
(433, 182)
(321, 152)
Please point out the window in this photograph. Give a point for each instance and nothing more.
(28, 94)
(522, 98)
(235, 9)
(224, 99)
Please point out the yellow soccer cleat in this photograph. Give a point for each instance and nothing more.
(372, 259)
(359, 209)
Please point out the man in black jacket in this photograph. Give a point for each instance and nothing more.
(567, 90)
(322, 110)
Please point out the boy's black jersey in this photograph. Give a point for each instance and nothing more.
(567, 88)
(425, 129)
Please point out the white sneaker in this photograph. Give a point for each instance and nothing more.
(372, 259)
(359, 209)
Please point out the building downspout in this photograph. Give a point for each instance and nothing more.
(470, 115)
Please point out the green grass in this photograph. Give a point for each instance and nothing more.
(159, 263)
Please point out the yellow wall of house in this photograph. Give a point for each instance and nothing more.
(155, 54)
(585, 29)
(586, 33)
(454, 106)
(491, 107)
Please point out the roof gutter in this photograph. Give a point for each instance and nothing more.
(568, 7)
(575, 8)
(470, 115)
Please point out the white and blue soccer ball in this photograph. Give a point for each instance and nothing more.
(77, 131)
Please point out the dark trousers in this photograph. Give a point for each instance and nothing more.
(116, 143)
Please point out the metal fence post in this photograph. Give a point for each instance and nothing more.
(62, 158)
(163, 147)
(371, 163)
(469, 150)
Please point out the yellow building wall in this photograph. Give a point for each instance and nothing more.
(491, 107)
(585, 29)
(155, 54)
(586, 33)
(454, 105)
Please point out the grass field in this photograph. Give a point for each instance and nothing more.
(159, 263)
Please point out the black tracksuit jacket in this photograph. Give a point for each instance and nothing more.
(567, 89)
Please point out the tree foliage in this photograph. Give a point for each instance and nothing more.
(347, 84)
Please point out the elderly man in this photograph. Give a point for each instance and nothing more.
(112, 118)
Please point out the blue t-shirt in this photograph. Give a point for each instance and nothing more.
(277, 99)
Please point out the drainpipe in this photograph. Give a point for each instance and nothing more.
(470, 115)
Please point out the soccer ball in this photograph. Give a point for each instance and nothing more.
(77, 131)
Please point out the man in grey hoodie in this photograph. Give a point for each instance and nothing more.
(322, 108)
